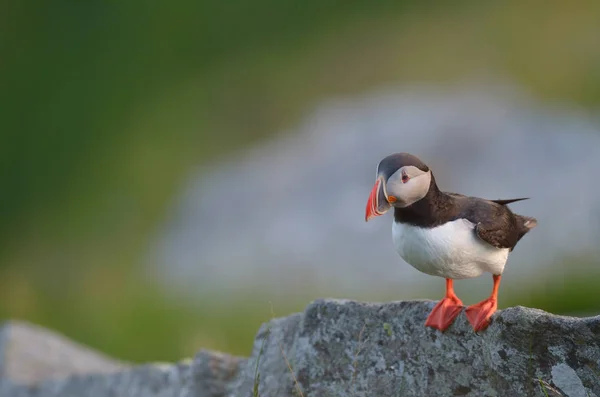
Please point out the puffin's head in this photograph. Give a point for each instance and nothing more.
(402, 179)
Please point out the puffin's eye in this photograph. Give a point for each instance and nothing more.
(405, 178)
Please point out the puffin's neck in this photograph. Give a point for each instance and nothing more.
(428, 212)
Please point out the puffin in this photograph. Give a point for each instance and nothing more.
(446, 234)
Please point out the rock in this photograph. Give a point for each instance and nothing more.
(29, 353)
(39, 363)
(205, 376)
(350, 349)
(345, 348)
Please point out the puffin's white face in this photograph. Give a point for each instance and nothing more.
(407, 186)
(397, 184)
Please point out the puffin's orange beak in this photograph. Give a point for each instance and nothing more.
(377, 204)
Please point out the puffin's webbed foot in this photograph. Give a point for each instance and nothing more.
(480, 313)
(444, 313)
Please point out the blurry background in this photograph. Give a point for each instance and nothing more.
(173, 174)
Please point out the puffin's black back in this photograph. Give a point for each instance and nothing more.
(495, 222)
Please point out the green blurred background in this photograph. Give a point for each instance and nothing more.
(107, 105)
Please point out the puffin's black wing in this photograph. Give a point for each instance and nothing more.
(497, 234)
(494, 221)
(506, 233)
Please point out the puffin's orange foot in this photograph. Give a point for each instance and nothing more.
(480, 313)
(444, 313)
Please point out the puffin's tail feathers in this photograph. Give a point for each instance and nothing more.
(504, 202)
(526, 223)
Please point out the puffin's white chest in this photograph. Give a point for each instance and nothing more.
(451, 250)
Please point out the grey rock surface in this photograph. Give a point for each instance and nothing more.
(36, 362)
(29, 353)
(207, 375)
(345, 348)
(352, 349)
